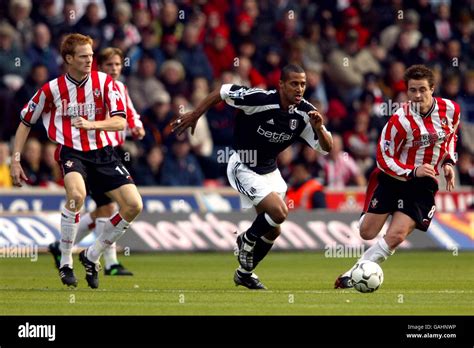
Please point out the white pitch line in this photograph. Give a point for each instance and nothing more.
(215, 291)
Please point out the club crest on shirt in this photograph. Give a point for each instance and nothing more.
(374, 202)
(69, 164)
(96, 93)
(386, 145)
(293, 124)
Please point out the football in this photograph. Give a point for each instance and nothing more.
(367, 276)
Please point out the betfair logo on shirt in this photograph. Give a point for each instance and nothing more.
(274, 137)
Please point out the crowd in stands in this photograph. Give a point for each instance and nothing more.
(354, 54)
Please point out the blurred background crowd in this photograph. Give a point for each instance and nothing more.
(354, 53)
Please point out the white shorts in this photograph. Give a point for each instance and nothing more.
(253, 187)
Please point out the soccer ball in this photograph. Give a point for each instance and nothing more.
(367, 276)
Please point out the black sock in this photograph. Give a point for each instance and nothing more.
(259, 228)
(261, 250)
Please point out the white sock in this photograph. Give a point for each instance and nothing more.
(69, 225)
(378, 253)
(86, 226)
(110, 256)
(109, 231)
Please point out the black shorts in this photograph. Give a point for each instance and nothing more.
(415, 198)
(102, 199)
(101, 169)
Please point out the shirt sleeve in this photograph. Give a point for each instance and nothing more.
(451, 156)
(133, 117)
(310, 137)
(392, 137)
(33, 110)
(113, 100)
(250, 100)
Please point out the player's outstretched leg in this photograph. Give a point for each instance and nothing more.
(272, 212)
(75, 195)
(110, 230)
(369, 227)
(400, 227)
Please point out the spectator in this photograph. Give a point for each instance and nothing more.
(451, 87)
(91, 24)
(348, 66)
(144, 81)
(352, 22)
(50, 171)
(466, 101)
(180, 167)
(172, 75)
(168, 23)
(358, 143)
(19, 17)
(271, 67)
(36, 79)
(122, 14)
(315, 88)
(247, 75)
(404, 52)
(12, 60)
(67, 22)
(219, 51)
(148, 45)
(466, 168)
(5, 178)
(32, 165)
(304, 192)
(340, 169)
(148, 171)
(156, 120)
(41, 51)
(442, 24)
(192, 56)
(408, 24)
(201, 141)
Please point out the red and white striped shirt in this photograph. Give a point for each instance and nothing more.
(61, 99)
(133, 118)
(409, 139)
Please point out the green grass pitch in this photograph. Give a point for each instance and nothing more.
(416, 283)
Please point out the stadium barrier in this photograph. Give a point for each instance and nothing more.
(187, 199)
(205, 220)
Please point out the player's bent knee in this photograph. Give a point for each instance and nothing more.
(279, 215)
(75, 199)
(134, 207)
(394, 238)
(366, 232)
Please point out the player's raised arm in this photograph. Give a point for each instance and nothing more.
(324, 137)
(181, 122)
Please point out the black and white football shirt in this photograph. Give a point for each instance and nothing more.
(263, 127)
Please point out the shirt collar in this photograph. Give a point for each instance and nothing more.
(77, 83)
(415, 112)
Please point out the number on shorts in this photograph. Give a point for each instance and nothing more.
(121, 171)
(432, 211)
